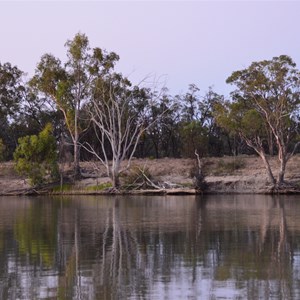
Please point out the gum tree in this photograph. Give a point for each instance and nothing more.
(120, 114)
(271, 89)
(68, 85)
(11, 98)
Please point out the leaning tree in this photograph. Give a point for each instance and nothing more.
(268, 93)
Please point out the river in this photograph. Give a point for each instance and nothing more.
(150, 247)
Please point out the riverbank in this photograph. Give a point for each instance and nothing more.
(241, 175)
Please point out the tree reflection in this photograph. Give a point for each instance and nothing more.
(264, 260)
(160, 247)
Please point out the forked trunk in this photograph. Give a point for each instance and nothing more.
(268, 168)
(115, 175)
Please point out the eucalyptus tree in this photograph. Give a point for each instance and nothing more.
(11, 89)
(11, 97)
(120, 114)
(68, 85)
(238, 118)
(270, 90)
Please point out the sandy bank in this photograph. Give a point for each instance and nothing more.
(244, 174)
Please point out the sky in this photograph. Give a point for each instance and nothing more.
(179, 42)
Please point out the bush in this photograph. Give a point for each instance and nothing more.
(137, 178)
(198, 177)
(36, 157)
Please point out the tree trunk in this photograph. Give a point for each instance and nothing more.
(114, 175)
(270, 142)
(281, 174)
(76, 166)
(268, 168)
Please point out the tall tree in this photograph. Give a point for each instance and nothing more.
(240, 119)
(271, 89)
(11, 97)
(69, 85)
(120, 115)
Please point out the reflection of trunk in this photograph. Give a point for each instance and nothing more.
(77, 251)
(265, 225)
(120, 252)
(283, 246)
(284, 254)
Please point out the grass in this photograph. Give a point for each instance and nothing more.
(99, 187)
(63, 188)
(228, 168)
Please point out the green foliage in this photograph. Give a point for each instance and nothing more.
(36, 157)
(193, 136)
(35, 233)
(99, 187)
(11, 90)
(63, 188)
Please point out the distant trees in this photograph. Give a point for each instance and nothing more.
(198, 130)
(89, 104)
(2, 149)
(11, 96)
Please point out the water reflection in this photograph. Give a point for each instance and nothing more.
(214, 247)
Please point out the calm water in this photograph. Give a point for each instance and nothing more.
(174, 247)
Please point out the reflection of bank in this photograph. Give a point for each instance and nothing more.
(146, 247)
(260, 257)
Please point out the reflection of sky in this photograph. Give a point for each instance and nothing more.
(198, 283)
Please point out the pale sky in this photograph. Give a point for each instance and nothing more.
(200, 42)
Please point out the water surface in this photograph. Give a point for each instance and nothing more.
(145, 247)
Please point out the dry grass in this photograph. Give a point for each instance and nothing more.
(178, 171)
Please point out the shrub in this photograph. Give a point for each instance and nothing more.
(198, 177)
(36, 157)
(137, 177)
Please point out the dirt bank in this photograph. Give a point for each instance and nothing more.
(243, 174)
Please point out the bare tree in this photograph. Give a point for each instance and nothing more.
(120, 115)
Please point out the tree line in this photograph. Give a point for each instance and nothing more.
(84, 108)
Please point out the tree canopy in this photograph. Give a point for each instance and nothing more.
(94, 108)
